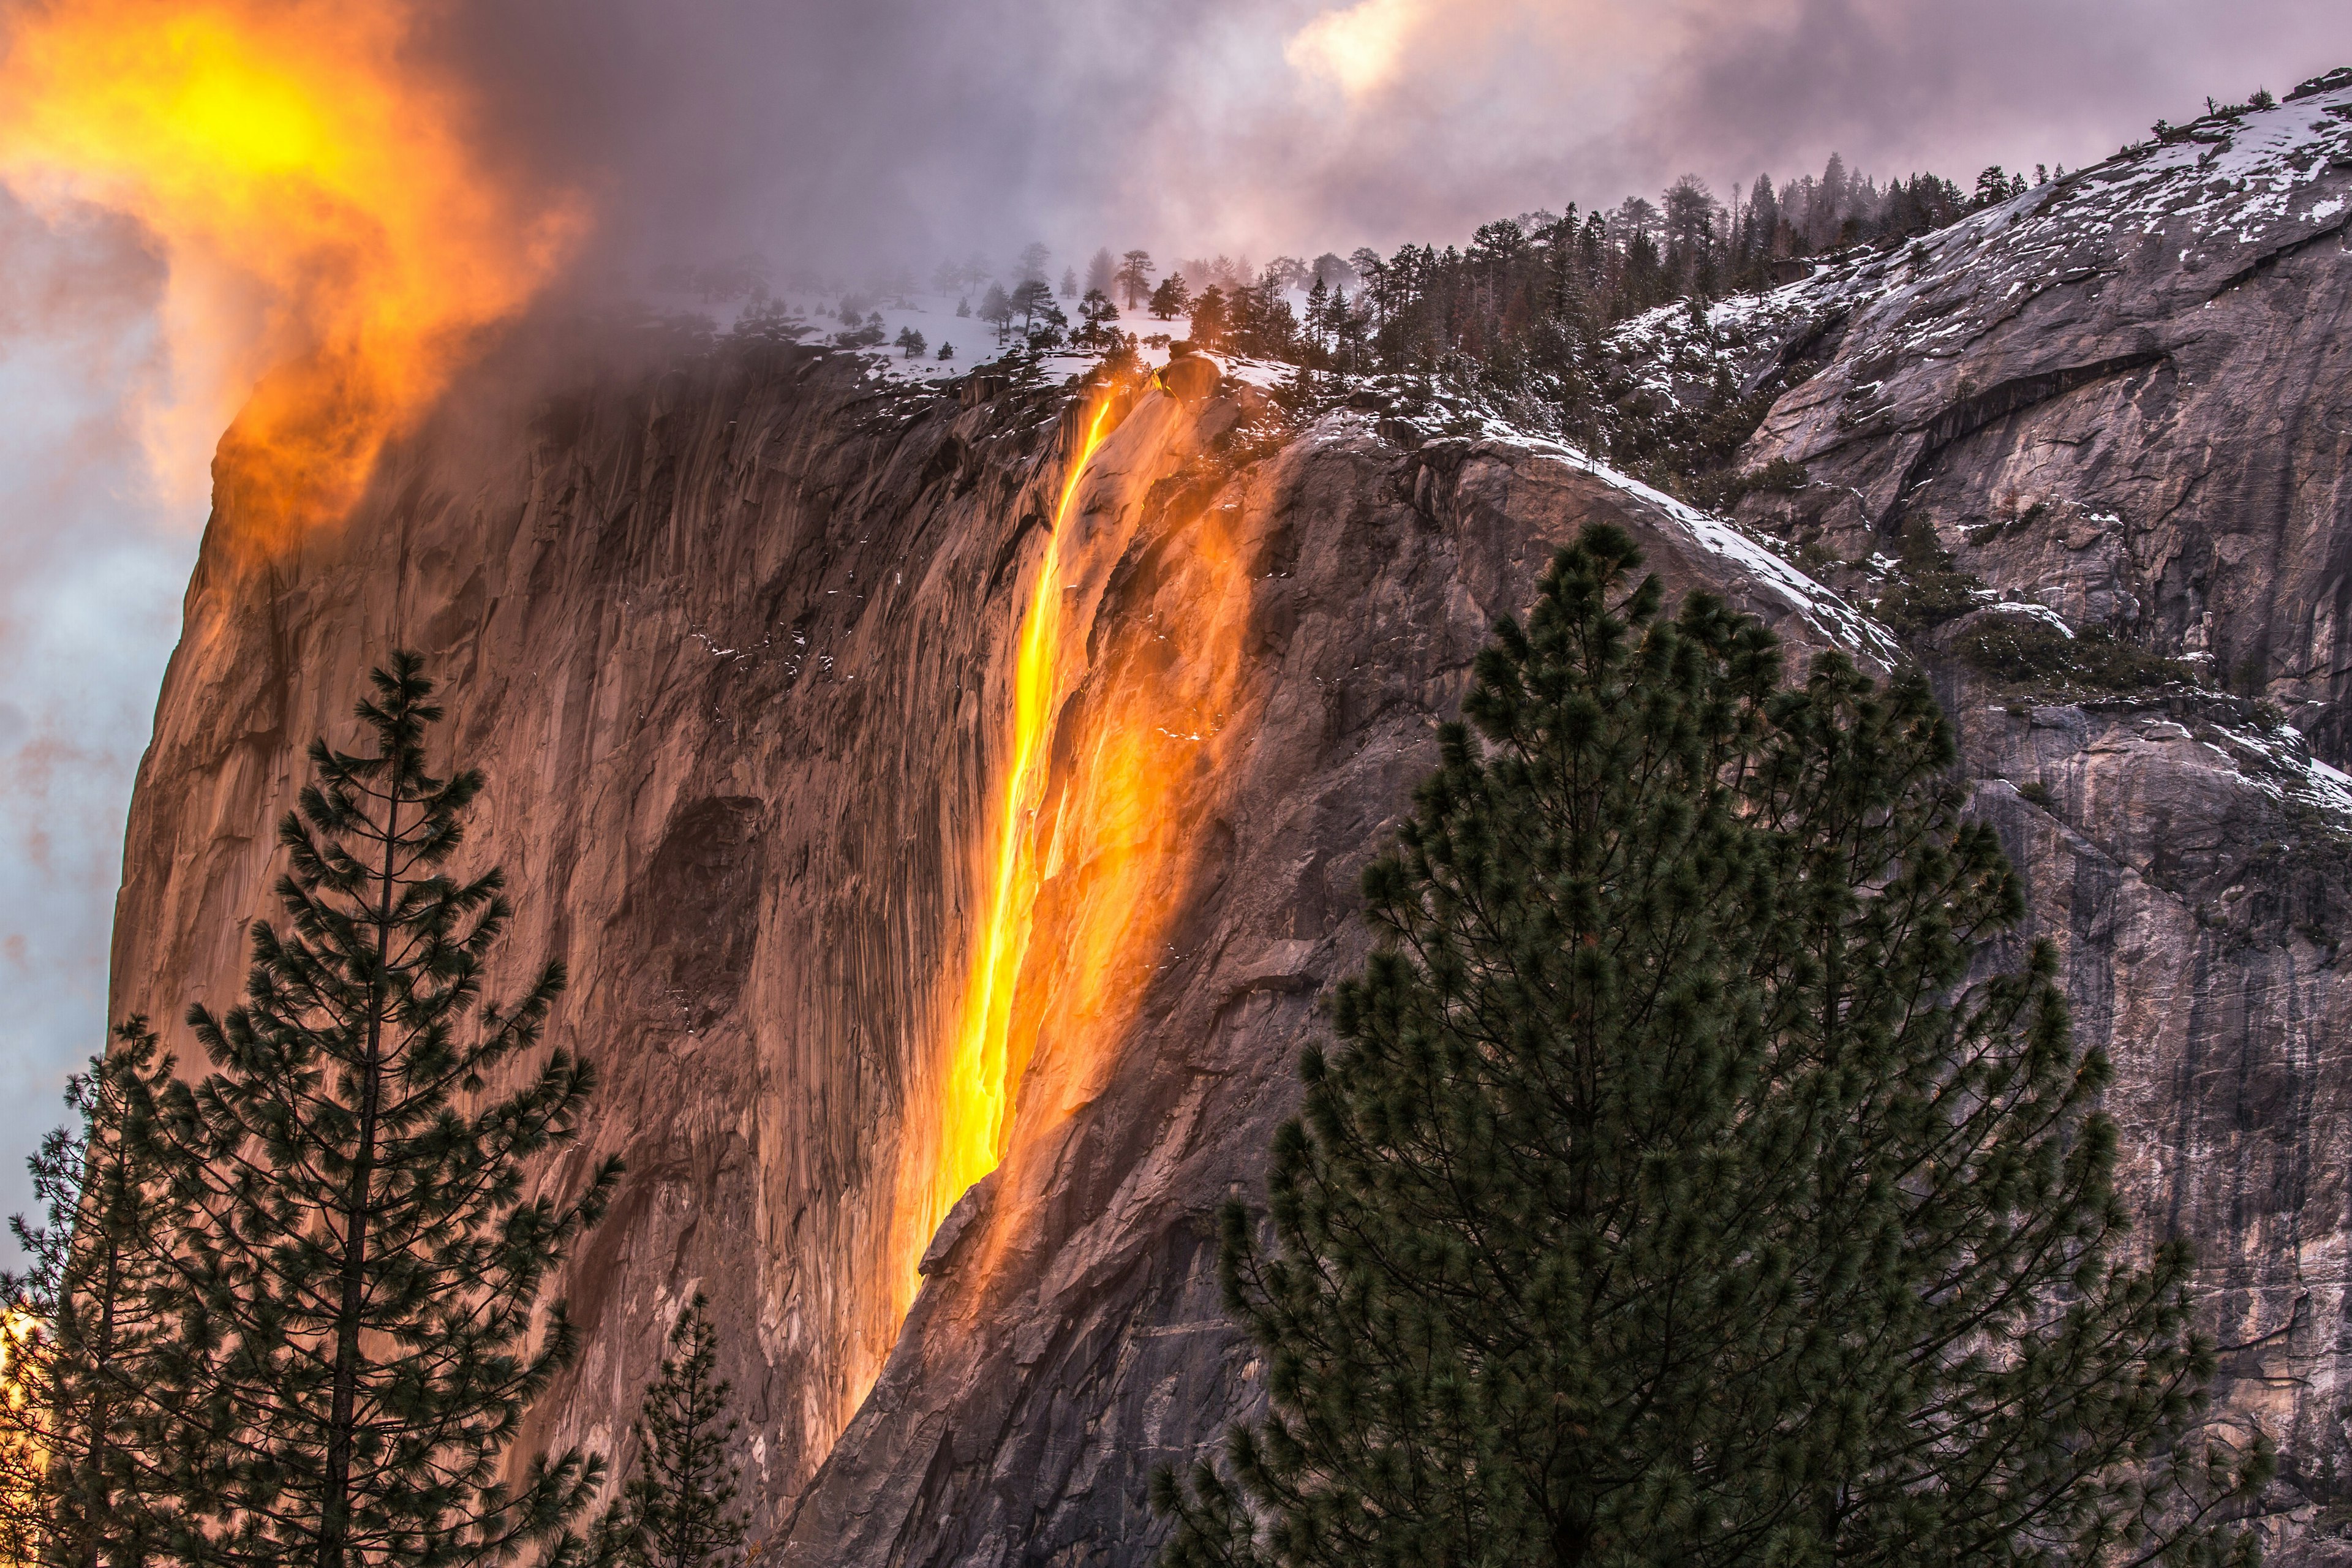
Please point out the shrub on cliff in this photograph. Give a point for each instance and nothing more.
(677, 1509)
(1690, 1186)
(365, 1227)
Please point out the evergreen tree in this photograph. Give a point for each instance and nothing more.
(1032, 300)
(366, 1260)
(1319, 324)
(88, 1446)
(1096, 314)
(677, 1510)
(1102, 273)
(1135, 278)
(1172, 299)
(1209, 317)
(996, 309)
(1686, 1190)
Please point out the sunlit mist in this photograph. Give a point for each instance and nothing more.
(1361, 47)
(334, 243)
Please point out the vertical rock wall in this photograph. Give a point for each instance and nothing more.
(731, 641)
(732, 637)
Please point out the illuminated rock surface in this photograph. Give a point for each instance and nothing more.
(733, 636)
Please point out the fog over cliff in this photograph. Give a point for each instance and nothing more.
(905, 128)
(900, 130)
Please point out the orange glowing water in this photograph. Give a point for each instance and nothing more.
(978, 1082)
(335, 243)
(1087, 869)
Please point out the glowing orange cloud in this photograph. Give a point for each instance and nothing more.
(336, 246)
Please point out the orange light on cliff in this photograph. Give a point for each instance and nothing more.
(335, 246)
(979, 1076)
(1089, 858)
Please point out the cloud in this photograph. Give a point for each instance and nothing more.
(1360, 48)
(91, 565)
(905, 130)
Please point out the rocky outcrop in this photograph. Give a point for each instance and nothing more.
(2094, 448)
(733, 634)
(2126, 396)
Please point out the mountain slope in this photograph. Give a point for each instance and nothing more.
(734, 631)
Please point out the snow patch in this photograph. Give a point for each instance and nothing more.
(2286, 770)
(2028, 609)
(1815, 604)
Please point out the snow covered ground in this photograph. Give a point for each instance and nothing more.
(819, 316)
(2232, 187)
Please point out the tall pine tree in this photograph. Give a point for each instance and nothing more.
(677, 1510)
(90, 1452)
(367, 1230)
(1689, 1186)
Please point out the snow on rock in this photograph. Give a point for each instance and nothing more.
(2278, 762)
(1820, 607)
(2232, 190)
(2026, 607)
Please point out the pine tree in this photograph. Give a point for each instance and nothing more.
(367, 1255)
(1096, 314)
(677, 1510)
(90, 1448)
(996, 308)
(1319, 324)
(1172, 298)
(1102, 273)
(1134, 277)
(1030, 299)
(1209, 317)
(1687, 1188)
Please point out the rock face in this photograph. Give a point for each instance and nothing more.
(731, 641)
(733, 638)
(2122, 396)
(2118, 409)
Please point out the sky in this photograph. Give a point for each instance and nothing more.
(626, 135)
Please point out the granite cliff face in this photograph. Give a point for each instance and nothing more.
(734, 638)
(731, 639)
(2091, 449)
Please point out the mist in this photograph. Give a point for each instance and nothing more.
(899, 133)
